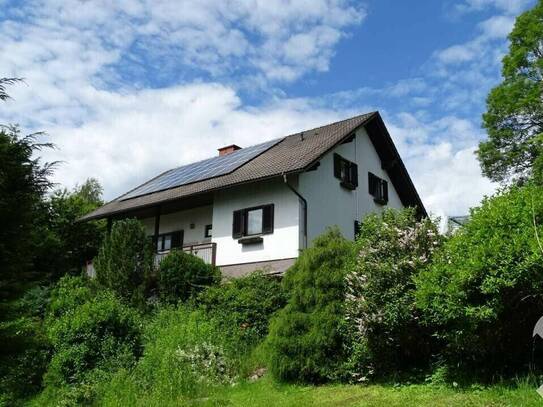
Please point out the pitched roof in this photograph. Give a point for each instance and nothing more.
(291, 154)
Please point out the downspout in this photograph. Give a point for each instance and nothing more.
(304, 204)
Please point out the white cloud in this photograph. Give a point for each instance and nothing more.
(135, 136)
(75, 55)
(508, 6)
(440, 156)
(218, 37)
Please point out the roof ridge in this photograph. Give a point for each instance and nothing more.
(369, 114)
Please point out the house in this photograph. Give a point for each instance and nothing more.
(258, 207)
(454, 223)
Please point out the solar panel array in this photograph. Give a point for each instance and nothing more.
(201, 170)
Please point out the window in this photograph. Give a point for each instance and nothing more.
(168, 241)
(253, 221)
(208, 231)
(378, 188)
(346, 171)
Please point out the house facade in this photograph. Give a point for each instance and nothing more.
(259, 207)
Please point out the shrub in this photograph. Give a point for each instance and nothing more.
(484, 290)
(181, 275)
(125, 260)
(305, 341)
(243, 306)
(69, 293)
(99, 333)
(383, 322)
(186, 357)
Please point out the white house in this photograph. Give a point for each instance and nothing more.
(258, 207)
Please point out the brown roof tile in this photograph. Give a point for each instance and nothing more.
(293, 153)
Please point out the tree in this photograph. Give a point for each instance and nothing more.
(7, 81)
(23, 183)
(125, 260)
(305, 339)
(383, 322)
(63, 244)
(483, 291)
(514, 117)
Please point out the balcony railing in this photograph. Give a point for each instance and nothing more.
(205, 251)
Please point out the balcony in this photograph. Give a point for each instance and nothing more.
(205, 251)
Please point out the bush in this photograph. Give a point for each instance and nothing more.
(101, 333)
(69, 293)
(181, 275)
(383, 322)
(305, 341)
(186, 357)
(125, 260)
(243, 306)
(484, 290)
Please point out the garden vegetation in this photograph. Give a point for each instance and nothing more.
(402, 305)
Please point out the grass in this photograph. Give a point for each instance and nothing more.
(266, 393)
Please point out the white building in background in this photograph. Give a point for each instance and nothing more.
(258, 207)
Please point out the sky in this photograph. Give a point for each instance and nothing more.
(130, 88)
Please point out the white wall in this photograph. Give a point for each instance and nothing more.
(182, 220)
(331, 204)
(283, 243)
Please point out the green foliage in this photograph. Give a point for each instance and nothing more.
(66, 244)
(514, 108)
(186, 357)
(69, 293)
(383, 322)
(243, 306)
(23, 182)
(305, 340)
(125, 260)
(25, 354)
(181, 275)
(484, 290)
(99, 333)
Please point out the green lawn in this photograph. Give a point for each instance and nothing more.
(269, 394)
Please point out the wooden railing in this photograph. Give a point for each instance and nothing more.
(205, 251)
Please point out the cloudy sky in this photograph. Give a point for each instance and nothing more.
(129, 88)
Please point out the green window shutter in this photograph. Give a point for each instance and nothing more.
(267, 219)
(177, 239)
(354, 174)
(385, 191)
(337, 166)
(237, 224)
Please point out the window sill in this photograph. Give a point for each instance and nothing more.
(347, 185)
(380, 201)
(250, 240)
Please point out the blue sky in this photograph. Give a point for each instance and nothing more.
(126, 90)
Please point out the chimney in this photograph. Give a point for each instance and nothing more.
(228, 149)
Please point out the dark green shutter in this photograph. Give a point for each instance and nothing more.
(385, 191)
(177, 239)
(237, 224)
(267, 219)
(372, 184)
(337, 166)
(354, 174)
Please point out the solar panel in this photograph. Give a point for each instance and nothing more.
(201, 170)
